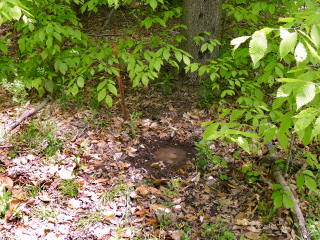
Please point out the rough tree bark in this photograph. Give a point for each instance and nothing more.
(200, 16)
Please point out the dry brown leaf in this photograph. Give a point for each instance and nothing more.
(158, 181)
(207, 189)
(6, 181)
(155, 191)
(142, 190)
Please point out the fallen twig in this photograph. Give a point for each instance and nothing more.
(297, 214)
(26, 115)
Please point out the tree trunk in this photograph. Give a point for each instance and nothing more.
(200, 16)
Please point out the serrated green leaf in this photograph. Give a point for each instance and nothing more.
(49, 42)
(304, 122)
(258, 47)
(300, 181)
(316, 128)
(237, 41)
(41, 36)
(307, 136)
(153, 4)
(313, 52)
(102, 94)
(305, 94)
(315, 35)
(186, 60)
(49, 85)
(300, 53)
(210, 132)
(310, 183)
(287, 45)
(272, 8)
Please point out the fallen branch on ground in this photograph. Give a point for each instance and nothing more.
(297, 214)
(26, 115)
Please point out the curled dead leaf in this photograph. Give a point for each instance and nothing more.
(142, 190)
(6, 181)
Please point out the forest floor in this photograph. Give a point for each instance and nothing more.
(77, 170)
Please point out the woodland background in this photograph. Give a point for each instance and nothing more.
(93, 94)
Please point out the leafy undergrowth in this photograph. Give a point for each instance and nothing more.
(83, 173)
(76, 170)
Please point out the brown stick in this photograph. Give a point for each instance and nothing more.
(297, 214)
(26, 115)
(123, 104)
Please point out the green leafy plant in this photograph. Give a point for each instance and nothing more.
(5, 199)
(281, 197)
(69, 188)
(133, 124)
(88, 219)
(206, 156)
(34, 190)
(44, 212)
(164, 82)
(117, 190)
(217, 230)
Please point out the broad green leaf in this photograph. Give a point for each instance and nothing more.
(101, 85)
(63, 68)
(237, 41)
(288, 80)
(112, 89)
(235, 114)
(310, 183)
(16, 12)
(283, 140)
(315, 35)
(153, 4)
(316, 128)
(307, 136)
(300, 53)
(74, 89)
(300, 181)
(305, 94)
(178, 55)
(272, 8)
(258, 47)
(278, 102)
(109, 100)
(277, 202)
(102, 94)
(210, 131)
(49, 42)
(302, 123)
(313, 52)
(166, 54)
(287, 202)
(308, 172)
(22, 44)
(309, 112)
(186, 60)
(243, 143)
(49, 85)
(41, 36)
(4, 48)
(287, 45)
(80, 81)
(276, 187)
